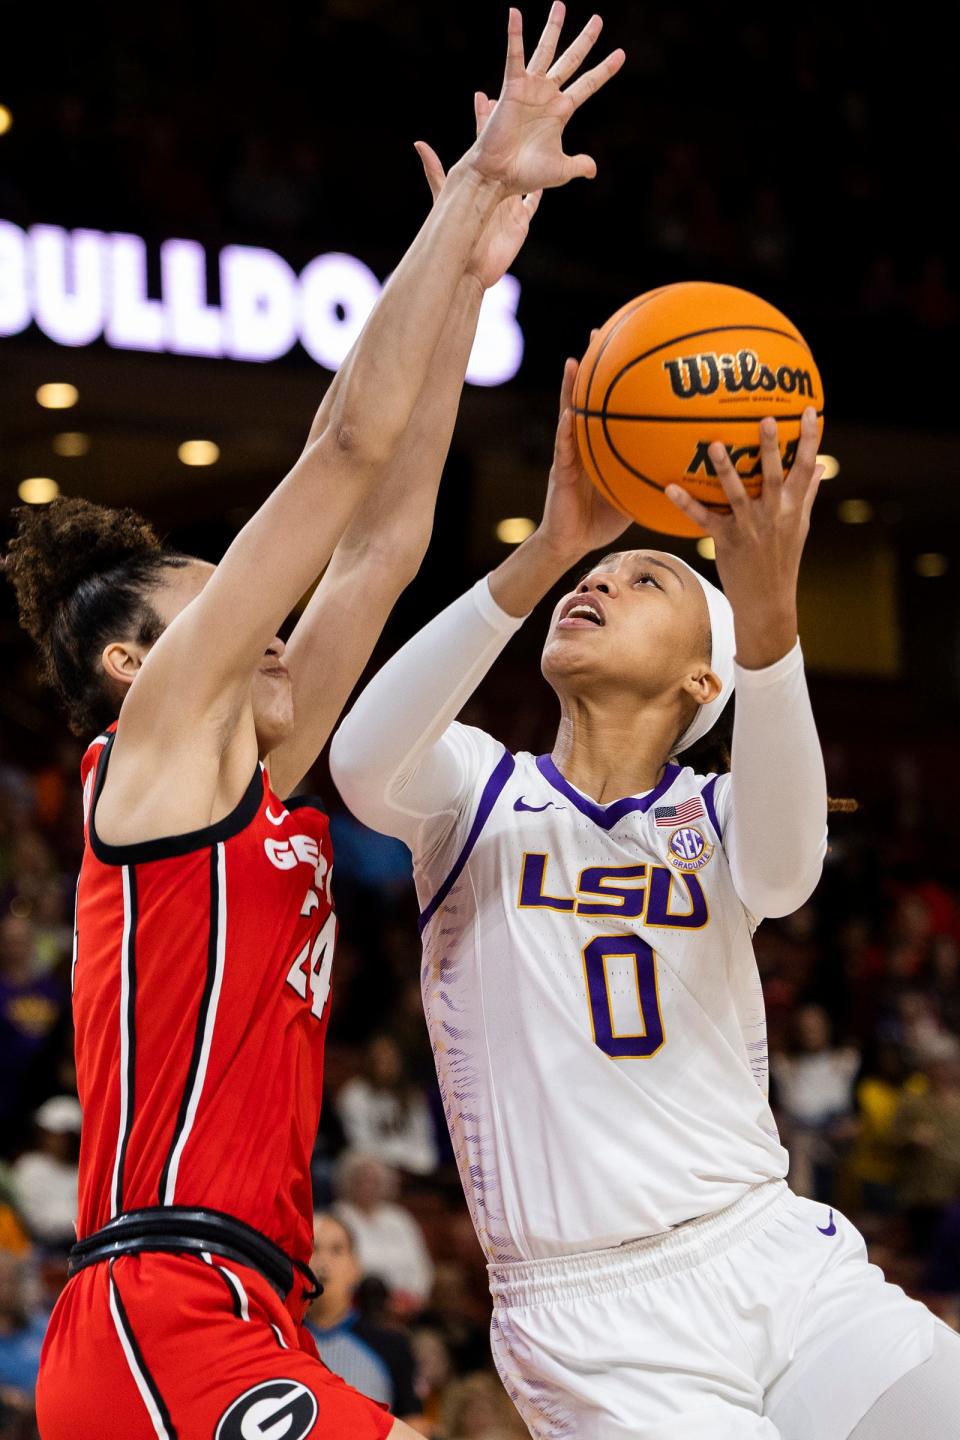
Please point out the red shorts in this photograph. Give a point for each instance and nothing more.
(169, 1347)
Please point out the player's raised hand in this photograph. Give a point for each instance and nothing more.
(521, 146)
(507, 228)
(576, 518)
(760, 542)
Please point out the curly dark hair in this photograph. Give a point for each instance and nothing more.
(82, 575)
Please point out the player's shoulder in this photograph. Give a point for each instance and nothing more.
(480, 755)
(692, 795)
(89, 765)
(93, 752)
(684, 777)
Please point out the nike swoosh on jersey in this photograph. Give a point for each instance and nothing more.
(276, 819)
(522, 805)
(830, 1229)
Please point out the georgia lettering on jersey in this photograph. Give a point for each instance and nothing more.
(593, 1000)
(201, 986)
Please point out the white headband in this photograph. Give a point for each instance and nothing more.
(723, 649)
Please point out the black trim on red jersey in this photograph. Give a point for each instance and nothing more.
(169, 846)
(191, 1080)
(298, 802)
(129, 961)
(148, 1379)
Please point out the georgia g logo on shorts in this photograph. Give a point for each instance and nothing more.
(273, 1410)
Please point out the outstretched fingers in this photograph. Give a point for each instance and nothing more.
(483, 108)
(770, 462)
(811, 492)
(515, 63)
(565, 445)
(579, 167)
(542, 57)
(730, 482)
(573, 57)
(692, 508)
(520, 141)
(805, 461)
(570, 368)
(432, 167)
(594, 80)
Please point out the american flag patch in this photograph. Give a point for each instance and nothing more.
(680, 814)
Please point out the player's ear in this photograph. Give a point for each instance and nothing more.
(703, 685)
(121, 660)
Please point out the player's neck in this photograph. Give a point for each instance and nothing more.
(615, 752)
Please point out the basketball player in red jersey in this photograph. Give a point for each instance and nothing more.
(205, 929)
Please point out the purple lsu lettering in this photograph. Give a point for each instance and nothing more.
(605, 890)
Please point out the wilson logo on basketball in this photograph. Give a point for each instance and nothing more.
(704, 374)
(672, 371)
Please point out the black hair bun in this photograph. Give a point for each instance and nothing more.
(56, 547)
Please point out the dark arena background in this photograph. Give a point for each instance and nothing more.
(161, 172)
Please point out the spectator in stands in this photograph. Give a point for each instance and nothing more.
(911, 929)
(455, 1313)
(52, 929)
(34, 867)
(32, 1008)
(384, 1114)
(45, 1178)
(434, 1371)
(815, 1094)
(389, 1242)
(943, 1269)
(851, 973)
(874, 1160)
(920, 1028)
(13, 1238)
(926, 1130)
(374, 1359)
(22, 1328)
(477, 1408)
(943, 978)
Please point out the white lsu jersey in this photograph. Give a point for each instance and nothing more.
(594, 1006)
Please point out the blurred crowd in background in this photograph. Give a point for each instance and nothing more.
(743, 147)
(863, 998)
(776, 167)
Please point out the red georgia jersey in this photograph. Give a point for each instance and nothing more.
(200, 997)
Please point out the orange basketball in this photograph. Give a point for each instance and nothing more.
(675, 370)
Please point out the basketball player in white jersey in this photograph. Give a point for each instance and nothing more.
(593, 998)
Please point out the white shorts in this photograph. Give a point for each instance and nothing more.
(765, 1320)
